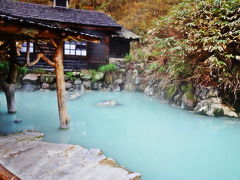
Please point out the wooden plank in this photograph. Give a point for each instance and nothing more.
(5, 174)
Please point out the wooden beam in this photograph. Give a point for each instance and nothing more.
(59, 70)
(5, 174)
(41, 56)
(35, 33)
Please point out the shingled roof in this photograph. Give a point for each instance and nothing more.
(56, 14)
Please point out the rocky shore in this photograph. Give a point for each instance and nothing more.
(31, 159)
(132, 76)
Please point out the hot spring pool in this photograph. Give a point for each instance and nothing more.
(159, 141)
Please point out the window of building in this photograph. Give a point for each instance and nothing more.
(24, 47)
(61, 3)
(75, 48)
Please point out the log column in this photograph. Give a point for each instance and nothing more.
(59, 70)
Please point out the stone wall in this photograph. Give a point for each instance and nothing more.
(131, 76)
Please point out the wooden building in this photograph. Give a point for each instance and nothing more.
(115, 40)
(54, 37)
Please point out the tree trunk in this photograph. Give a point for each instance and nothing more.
(10, 97)
(62, 106)
(8, 84)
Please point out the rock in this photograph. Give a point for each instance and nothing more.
(116, 88)
(85, 75)
(68, 85)
(87, 84)
(77, 82)
(45, 86)
(129, 82)
(30, 87)
(129, 76)
(20, 152)
(137, 80)
(118, 81)
(109, 78)
(53, 86)
(206, 92)
(149, 91)
(32, 78)
(17, 120)
(178, 99)
(98, 76)
(107, 103)
(74, 96)
(100, 86)
(130, 87)
(135, 74)
(188, 101)
(150, 81)
(18, 85)
(49, 79)
(164, 83)
(170, 92)
(214, 107)
(95, 86)
(122, 71)
(76, 73)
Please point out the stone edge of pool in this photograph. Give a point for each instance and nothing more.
(29, 158)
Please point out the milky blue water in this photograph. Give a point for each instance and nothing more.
(157, 140)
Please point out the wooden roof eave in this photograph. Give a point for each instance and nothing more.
(28, 29)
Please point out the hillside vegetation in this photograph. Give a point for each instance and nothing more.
(193, 41)
(136, 15)
(199, 42)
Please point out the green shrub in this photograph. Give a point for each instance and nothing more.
(4, 66)
(128, 57)
(23, 70)
(107, 68)
(39, 71)
(70, 75)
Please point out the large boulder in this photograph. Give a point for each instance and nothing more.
(77, 82)
(138, 80)
(85, 74)
(115, 87)
(188, 101)
(31, 78)
(149, 90)
(68, 85)
(109, 77)
(206, 92)
(188, 98)
(129, 82)
(87, 84)
(95, 85)
(118, 81)
(45, 86)
(47, 78)
(53, 86)
(214, 107)
(98, 76)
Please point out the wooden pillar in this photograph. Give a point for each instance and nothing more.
(59, 70)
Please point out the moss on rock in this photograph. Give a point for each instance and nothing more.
(170, 92)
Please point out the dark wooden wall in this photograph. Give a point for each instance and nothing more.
(119, 47)
(97, 54)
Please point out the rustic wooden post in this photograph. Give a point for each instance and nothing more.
(59, 70)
